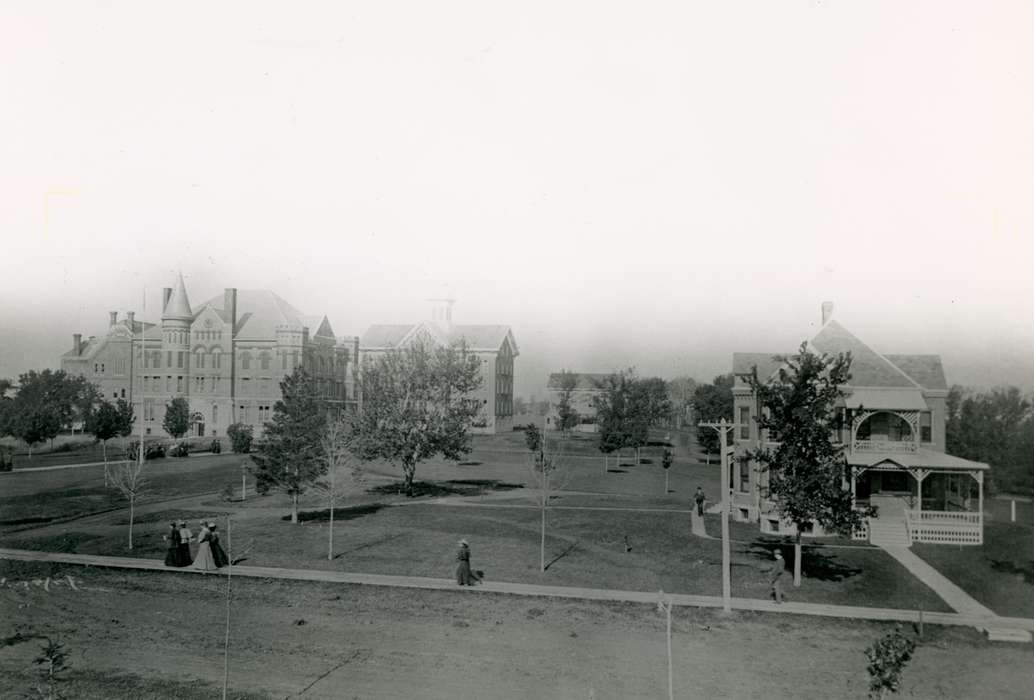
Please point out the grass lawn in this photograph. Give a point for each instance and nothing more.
(645, 551)
(999, 573)
(41, 497)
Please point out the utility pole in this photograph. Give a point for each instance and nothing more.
(723, 427)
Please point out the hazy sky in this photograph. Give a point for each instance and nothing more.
(649, 184)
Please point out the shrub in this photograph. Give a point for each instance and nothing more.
(241, 437)
(155, 451)
(216, 447)
(181, 450)
(887, 658)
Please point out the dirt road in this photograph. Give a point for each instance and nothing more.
(331, 641)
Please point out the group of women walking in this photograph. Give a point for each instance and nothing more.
(210, 554)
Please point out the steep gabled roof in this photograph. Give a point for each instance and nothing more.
(479, 338)
(259, 313)
(868, 368)
(483, 337)
(767, 363)
(585, 381)
(384, 335)
(925, 370)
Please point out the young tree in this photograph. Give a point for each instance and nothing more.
(104, 423)
(343, 467)
(416, 404)
(567, 415)
(241, 437)
(544, 472)
(666, 461)
(712, 402)
(290, 458)
(129, 479)
(807, 471)
(177, 417)
(611, 405)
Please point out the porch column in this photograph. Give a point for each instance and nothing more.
(854, 482)
(919, 475)
(979, 476)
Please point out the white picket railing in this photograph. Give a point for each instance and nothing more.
(883, 446)
(945, 527)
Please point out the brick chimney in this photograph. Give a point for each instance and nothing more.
(166, 293)
(113, 318)
(230, 306)
(77, 343)
(827, 312)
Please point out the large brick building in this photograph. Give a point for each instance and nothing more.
(227, 356)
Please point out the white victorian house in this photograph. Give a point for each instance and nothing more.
(894, 443)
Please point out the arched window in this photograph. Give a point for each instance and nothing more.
(264, 360)
(245, 360)
(884, 426)
(217, 356)
(199, 358)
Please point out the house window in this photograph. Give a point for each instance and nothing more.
(179, 385)
(168, 358)
(744, 475)
(123, 393)
(243, 414)
(245, 360)
(773, 526)
(215, 414)
(283, 360)
(245, 386)
(168, 384)
(179, 359)
(216, 358)
(925, 427)
(264, 360)
(744, 422)
(199, 359)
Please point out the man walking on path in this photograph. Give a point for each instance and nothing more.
(778, 571)
(700, 498)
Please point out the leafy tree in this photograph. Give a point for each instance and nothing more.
(680, 395)
(46, 402)
(887, 658)
(6, 414)
(712, 402)
(177, 417)
(416, 404)
(996, 427)
(125, 417)
(290, 458)
(627, 408)
(104, 423)
(807, 470)
(241, 437)
(567, 415)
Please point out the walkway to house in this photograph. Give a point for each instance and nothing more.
(955, 597)
(987, 623)
(698, 525)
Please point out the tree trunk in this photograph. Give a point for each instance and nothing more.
(132, 503)
(797, 559)
(294, 508)
(244, 485)
(330, 544)
(542, 540)
(104, 449)
(408, 470)
(666, 473)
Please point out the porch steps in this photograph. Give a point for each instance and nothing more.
(888, 533)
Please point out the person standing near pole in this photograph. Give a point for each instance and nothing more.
(778, 572)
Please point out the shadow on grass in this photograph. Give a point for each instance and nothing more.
(814, 564)
(562, 554)
(371, 543)
(617, 471)
(26, 521)
(469, 463)
(1007, 566)
(349, 513)
(439, 489)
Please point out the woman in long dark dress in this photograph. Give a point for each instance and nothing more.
(464, 576)
(183, 555)
(173, 540)
(218, 553)
(204, 562)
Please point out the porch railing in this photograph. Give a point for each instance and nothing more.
(898, 446)
(945, 527)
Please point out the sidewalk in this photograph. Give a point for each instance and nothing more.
(683, 600)
(955, 597)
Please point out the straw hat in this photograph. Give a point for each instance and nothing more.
(464, 543)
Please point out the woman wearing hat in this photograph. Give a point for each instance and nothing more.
(204, 561)
(464, 576)
(778, 571)
(183, 556)
(172, 554)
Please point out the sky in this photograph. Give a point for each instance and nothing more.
(645, 184)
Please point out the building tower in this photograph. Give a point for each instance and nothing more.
(176, 320)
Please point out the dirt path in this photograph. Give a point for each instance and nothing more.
(314, 640)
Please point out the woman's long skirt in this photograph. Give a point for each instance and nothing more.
(172, 557)
(219, 554)
(204, 561)
(183, 554)
(464, 577)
